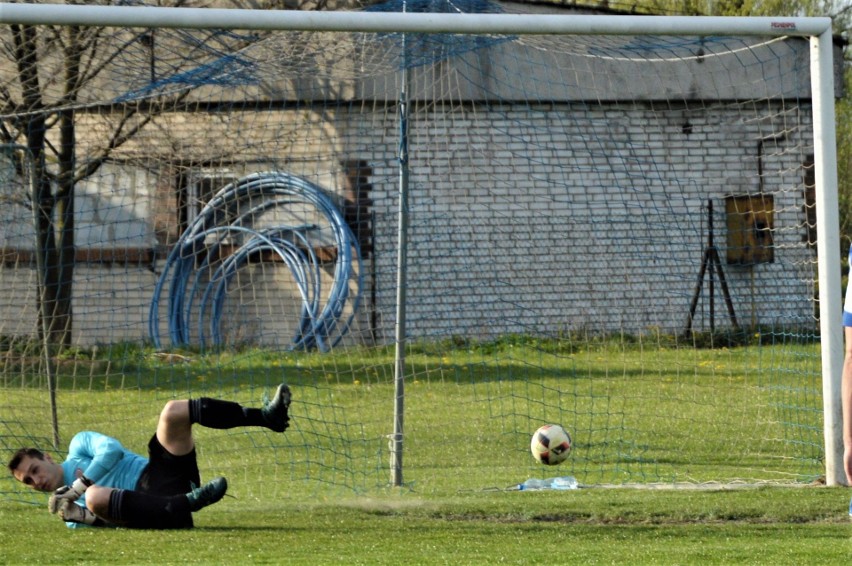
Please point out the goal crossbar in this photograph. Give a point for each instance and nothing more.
(292, 20)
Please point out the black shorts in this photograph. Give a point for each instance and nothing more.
(167, 474)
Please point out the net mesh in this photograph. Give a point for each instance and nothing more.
(613, 233)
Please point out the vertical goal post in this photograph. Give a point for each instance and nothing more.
(822, 77)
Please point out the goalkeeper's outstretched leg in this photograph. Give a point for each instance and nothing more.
(174, 429)
(101, 483)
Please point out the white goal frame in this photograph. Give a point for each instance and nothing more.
(817, 30)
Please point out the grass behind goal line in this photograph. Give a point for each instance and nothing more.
(435, 522)
(636, 413)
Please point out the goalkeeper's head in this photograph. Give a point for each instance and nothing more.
(36, 469)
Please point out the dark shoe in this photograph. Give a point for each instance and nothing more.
(207, 494)
(276, 412)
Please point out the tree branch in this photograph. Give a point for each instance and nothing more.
(121, 136)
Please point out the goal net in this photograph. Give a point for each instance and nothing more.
(440, 239)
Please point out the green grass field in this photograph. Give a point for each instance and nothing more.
(309, 497)
(589, 526)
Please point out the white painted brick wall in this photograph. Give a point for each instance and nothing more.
(610, 240)
(545, 219)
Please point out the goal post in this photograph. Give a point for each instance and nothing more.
(828, 239)
(243, 211)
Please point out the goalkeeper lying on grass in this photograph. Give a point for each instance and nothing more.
(101, 483)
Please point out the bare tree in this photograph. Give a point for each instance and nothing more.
(49, 74)
(48, 69)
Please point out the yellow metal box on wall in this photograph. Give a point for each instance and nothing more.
(750, 222)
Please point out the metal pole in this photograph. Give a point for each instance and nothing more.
(711, 247)
(219, 18)
(402, 260)
(828, 253)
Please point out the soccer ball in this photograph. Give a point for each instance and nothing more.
(550, 444)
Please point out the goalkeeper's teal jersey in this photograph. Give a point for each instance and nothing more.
(103, 460)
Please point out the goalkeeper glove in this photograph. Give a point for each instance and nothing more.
(73, 513)
(68, 493)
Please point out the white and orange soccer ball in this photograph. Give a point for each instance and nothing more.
(550, 444)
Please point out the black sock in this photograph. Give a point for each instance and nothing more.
(140, 510)
(216, 413)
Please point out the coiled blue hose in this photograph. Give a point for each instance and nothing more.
(191, 276)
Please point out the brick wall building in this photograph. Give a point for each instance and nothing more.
(582, 205)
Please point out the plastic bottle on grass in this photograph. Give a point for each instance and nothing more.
(561, 483)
